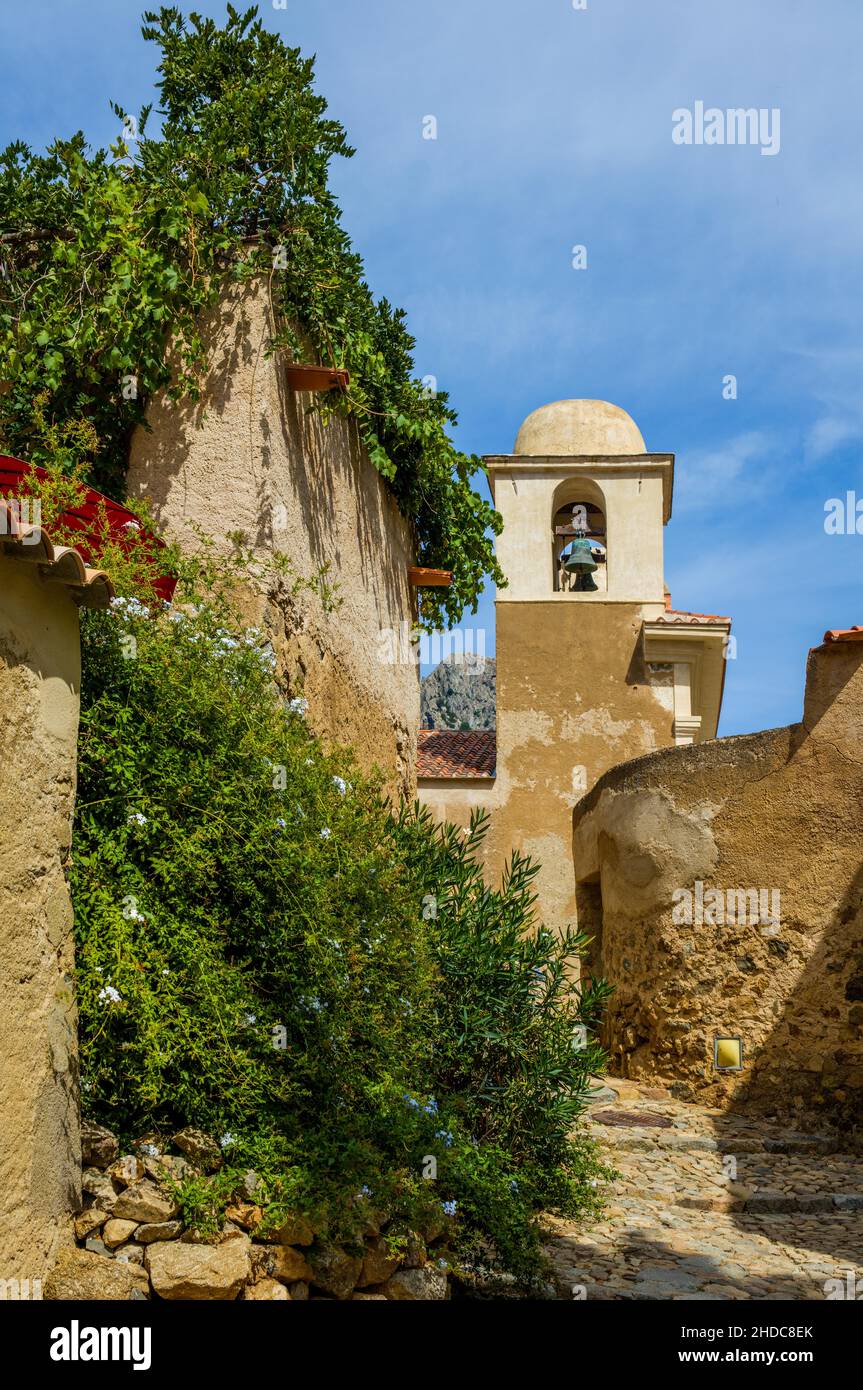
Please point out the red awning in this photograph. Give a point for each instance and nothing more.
(83, 517)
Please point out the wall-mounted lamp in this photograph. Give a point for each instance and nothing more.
(728, 1054)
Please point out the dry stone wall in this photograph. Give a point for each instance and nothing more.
(132, 1243)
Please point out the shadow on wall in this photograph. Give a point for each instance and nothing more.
(248, 392)
(814, 1051)
(679, 856)
(251, 457)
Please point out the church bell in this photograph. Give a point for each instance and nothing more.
(579, 565)
(580, 558)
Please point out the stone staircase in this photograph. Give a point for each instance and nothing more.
(709, 1205)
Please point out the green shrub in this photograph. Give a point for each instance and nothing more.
(228, 882)
(267, 952)
(514, 1045)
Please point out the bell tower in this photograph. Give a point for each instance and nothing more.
(582, 466)
(593, 666)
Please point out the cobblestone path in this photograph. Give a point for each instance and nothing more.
(713, 1206)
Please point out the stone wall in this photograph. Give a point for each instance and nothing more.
(773, 812)
(39, 695)
(249, 457)
(132, 1242)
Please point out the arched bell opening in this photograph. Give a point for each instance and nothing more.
(579, 546)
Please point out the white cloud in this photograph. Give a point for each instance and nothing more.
(724, 475)
(829, 434)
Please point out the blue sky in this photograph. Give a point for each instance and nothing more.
(554, 129)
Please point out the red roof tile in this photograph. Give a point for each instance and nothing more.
(85, 517)
(456, 753)
(844, 634)
(678, 617)
(90, 588)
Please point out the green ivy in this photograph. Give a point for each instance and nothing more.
(110, 257)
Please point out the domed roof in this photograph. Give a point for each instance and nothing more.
(579, 427)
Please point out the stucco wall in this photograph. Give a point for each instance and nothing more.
(778, 811)
(573, 698)
(250, 458)
(634, 497)
(39, 701)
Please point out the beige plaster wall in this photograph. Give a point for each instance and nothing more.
(634, 496)
(573, 698)
(250, 458)
(40, 1159)
(454, 798)
(775, 811)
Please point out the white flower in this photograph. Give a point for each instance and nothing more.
(129, 607)
(326, 833)
(281, 823)
(149, 1150)
(298, 706)
(108, 992)
(249, 1019)
(227, 1140)
(341, 784)
(136, 818)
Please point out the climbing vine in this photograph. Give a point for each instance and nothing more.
(109, 258)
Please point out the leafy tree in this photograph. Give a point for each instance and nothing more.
(110, 257)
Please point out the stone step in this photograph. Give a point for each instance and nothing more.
(778, 1202)
(631, 1116)
(680, 1221)
(661, 1253)
(647, 1140)
(729, 1182)
(762, 1204)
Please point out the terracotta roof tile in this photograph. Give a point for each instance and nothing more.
(456, 753)
(844, 634)
(90, 588)
(678, 617)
